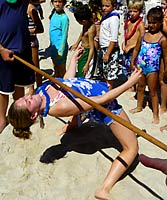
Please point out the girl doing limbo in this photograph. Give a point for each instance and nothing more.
(49, 100)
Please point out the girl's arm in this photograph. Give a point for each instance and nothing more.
(164, 53)
(66, 107)
(74, 46)
(141, 29)
(135, 52)
(71, 72)
(65, 27)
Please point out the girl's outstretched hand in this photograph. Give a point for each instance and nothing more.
(78, 52)
(135, 76)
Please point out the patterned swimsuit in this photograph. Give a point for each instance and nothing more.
(149, 56)
(90, 88)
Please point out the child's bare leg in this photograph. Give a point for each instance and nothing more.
(62, 70)
(163, 86)
(140, 95)
(163, 109)
(124, 159)
(154, 100)
(152, 80)
(59, 70)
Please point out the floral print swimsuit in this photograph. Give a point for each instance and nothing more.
(149, 56)
(88, 88)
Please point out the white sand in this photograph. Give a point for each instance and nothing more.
(23, 177)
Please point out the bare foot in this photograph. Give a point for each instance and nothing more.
(102, 195)
(155, 120)
(135, 110)
(163, 128)
(162, 111)
(155, 163)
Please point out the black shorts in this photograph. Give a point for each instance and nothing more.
(15, 74)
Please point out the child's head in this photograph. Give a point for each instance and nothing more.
(108, 6)
(134, 9)
(135, 4)
(58, 4)
(164, 4)
(82, 13)
(20, 119)
(155, 19)
(95, 5)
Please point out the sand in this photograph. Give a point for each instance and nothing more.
(75, 177)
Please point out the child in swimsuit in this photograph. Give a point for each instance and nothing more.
(147, 55)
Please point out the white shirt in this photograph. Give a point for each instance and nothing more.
(109, 29)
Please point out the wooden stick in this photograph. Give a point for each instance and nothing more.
(98, 107)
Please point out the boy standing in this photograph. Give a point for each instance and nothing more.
(133, 28)
(108, 41)
(83, 15)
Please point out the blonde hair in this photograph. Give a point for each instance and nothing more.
(136, 4)
(20, 118)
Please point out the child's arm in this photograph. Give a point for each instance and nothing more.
(135, 53)
(70, 109)
(91, 35)
(65, 27)
(108, 52)
(141, 29)
(164, 52)
(74, 46)
(72, 66)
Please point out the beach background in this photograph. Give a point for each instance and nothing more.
(77, 176)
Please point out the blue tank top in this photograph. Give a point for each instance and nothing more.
(14, 33)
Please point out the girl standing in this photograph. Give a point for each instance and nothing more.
(148, 52)
(58, 31)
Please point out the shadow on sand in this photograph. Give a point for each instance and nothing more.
(89, 138)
